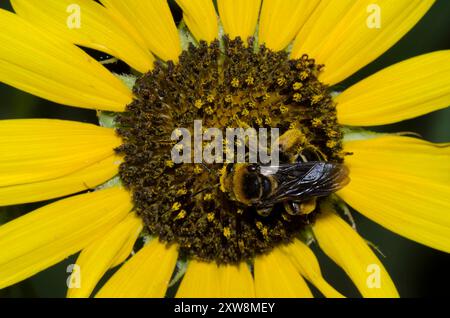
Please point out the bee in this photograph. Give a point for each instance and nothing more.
(296, 184)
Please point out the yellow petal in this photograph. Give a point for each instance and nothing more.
(98, 257)
(405, 90)
(83, 179)
(403, 184)
(35, 150)
(47, 235)
(281, 20)
(400, 156)
(153, 20)
(201, 280)
(236, 281)
(201, 19)
(347, 249)
(239, 17)
(39, 63)
(344, 36)
(146, 274)
(97, 29)
(126, 249)
(207, 280)
(276, 277)
(125, 23)
(306, 263)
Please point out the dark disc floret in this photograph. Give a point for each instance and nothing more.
(227, 84)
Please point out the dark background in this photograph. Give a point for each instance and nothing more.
(416, 270)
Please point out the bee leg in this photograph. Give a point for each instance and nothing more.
(301, 158)
(308, 206)
(318, 153)
(264, 211)
(296, 208)
(290, 141)
(292, 208)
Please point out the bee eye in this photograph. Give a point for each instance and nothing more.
(252, 186)
(266, 187)
(230, 168)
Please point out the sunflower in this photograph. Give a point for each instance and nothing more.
(251, 63)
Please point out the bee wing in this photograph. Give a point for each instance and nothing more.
(304, 180)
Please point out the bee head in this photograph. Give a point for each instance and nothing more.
(244, 183)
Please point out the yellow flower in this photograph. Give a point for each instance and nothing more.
(400, 182)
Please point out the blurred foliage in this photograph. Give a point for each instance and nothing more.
(416, 269)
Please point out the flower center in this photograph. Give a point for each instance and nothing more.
(225, 84)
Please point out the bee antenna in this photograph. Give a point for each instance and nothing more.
(205, 166)
(203, 190)
(197, 193)
(208, 169)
